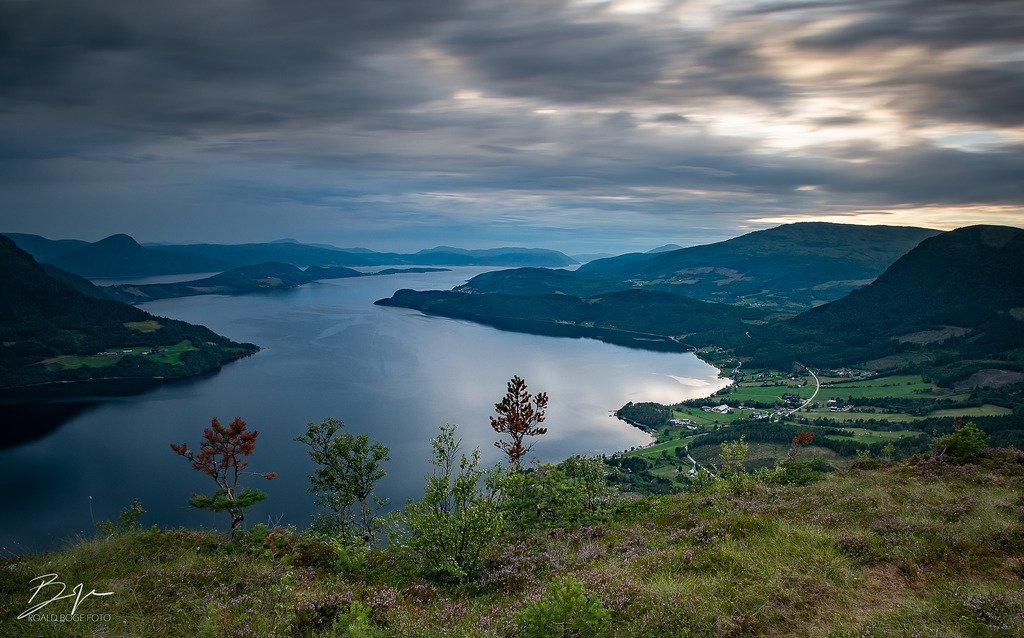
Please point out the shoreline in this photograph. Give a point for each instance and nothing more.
(65, 389)
(644, 428)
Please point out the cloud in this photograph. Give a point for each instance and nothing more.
(594, 123)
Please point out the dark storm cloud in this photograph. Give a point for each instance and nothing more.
(577, 117)
(539, 49)
(933, 23)
(983, 95)
(235, 64)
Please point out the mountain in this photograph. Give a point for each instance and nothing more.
(323, 255)
(81, 284)
(52, 331)
(957, 296)
(331, 272)
(43, 249)
(585, 257)
(244, 280)
(791, 267)
(122, 256)
(664, 249)
(504, 256)
(290, 240)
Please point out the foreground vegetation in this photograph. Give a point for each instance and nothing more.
(920, 548)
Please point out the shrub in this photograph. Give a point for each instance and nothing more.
(794, 472)
(866, 462)
(566, 609)
(127, 520)
(356, 623)
(962, 446)
(567, 495)
(734, 453)
(452, 528)
(348, 468)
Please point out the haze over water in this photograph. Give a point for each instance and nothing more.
(327, 351)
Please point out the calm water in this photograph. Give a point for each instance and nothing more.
(327, 351)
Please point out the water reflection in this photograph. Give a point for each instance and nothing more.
(327, 351)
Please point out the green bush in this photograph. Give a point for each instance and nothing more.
(794, 472)
(571, 494)
(348, 468)
(127, 520)
(356, 623)
(962, 446)
(452, 528)
(566, 609)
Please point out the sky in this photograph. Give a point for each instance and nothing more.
(582, 125)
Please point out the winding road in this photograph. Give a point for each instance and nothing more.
(817, 387)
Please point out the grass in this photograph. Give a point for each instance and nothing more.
(654, 451)
(898, 386)
(920, 548)
(700, 417)
(859, 417)
(150, 325)
(983, 410)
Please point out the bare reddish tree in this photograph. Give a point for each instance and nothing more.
(801, 438)
(519, 412)
(222, 457)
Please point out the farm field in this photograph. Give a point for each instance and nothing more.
(654, 451)
(170, 355)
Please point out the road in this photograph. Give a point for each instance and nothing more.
(817, 387)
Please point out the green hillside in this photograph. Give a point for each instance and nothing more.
(958, 295)
(790, 267)
(51, 331)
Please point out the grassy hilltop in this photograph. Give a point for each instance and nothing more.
(920, 548)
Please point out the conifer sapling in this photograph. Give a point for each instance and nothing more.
(519, 414)
(222, 457)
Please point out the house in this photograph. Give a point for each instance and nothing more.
(721, 409)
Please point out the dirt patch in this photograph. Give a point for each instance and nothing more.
(989, 378)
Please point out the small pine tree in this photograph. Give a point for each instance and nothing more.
(519, 414)
(222, 457)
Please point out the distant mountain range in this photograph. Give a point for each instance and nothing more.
(122, 256)
(58, 327)
(953, 304)
(245, 279)
(790, 267)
